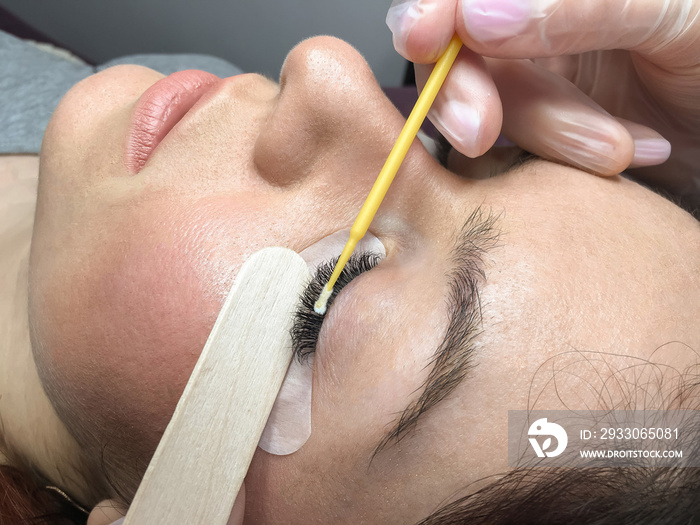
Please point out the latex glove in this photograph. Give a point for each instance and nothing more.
(625, 77)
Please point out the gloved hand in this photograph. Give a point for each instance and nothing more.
(610, 80)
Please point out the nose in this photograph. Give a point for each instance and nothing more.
(331, 119)
(330, 133)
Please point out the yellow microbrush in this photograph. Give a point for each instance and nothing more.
(391, 166)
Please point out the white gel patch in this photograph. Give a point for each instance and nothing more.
(289, 424)
(332, 246)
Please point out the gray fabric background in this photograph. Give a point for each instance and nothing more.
(33, 81)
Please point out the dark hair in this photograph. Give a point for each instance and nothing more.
(594, 495)
(584, 495)
(532, 495)
(24, 499)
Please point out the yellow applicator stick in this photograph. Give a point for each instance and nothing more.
(391, 166)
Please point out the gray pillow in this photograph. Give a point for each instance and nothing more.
(34, 78)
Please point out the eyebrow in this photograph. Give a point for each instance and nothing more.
(453, 358)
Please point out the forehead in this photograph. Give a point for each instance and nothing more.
(591, 279)
(589, 263)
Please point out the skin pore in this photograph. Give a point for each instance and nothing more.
(128, 272)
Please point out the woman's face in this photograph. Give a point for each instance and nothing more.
(129, 271)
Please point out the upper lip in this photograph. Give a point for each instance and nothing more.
(160, 107)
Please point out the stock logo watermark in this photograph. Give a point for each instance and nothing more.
(597, 438)
(542, 427)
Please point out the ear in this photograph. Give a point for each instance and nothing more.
(106, 512)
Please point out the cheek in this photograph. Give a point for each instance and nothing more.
(122, 312)
(124, 306)
(152, 318)
(122, 342)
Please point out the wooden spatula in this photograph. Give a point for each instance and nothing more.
(203, 457)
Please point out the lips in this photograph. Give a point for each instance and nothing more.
(157, 111)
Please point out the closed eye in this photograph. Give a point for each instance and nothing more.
(502, 159)
(307, 323)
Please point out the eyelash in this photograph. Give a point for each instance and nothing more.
(307, 323)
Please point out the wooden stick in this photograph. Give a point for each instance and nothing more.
(205, 452)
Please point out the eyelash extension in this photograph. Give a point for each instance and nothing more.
(307, 323)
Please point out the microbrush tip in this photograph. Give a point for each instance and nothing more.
(322, 302)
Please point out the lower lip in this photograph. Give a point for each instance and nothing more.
(157, 111)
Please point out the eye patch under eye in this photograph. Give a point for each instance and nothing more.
(307, 323)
